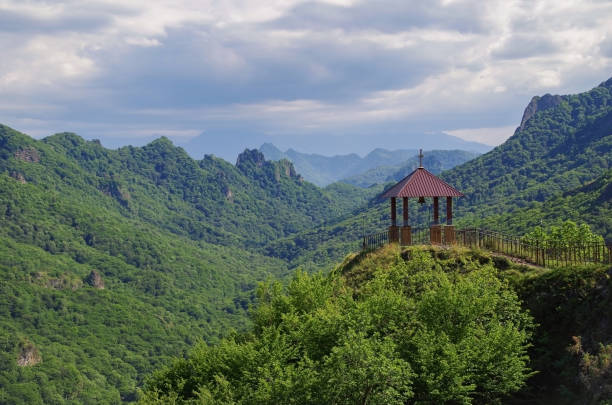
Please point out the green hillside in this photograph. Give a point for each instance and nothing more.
(591, 203)
(173, 241)
(383, 328)
(414, 325)
(564, 142)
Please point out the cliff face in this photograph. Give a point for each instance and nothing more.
(538, 103)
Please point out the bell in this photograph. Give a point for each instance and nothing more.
(421, 200)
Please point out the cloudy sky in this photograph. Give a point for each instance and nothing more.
(126, 71)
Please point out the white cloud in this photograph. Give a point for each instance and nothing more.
(189, 65)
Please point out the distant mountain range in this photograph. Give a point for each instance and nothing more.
(323, 170)
(378, 166)
(228, 144)
(436, 161)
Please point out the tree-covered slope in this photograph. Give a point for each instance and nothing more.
(163, 234)
(562, 143)
(389, 327)
(161, 293)
(591, 203)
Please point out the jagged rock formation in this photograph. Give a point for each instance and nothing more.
(94, 279)
(251, 155)
(63, 282)
(19, 177)
(538, 103)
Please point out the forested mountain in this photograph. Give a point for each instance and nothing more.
(113, 260)
(563, 142)
(562, 145)
(591, 203)
(436, 162)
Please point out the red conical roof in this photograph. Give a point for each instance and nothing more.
(421, 183)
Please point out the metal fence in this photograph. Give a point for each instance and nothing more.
(375, 240)
(535, 252)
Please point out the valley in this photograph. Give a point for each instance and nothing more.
(115, 264)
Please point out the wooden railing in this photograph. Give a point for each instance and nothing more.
(535, 252)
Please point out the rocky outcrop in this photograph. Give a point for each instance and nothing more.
(250, 156)
(537, 103)
(28, 154)
(19, 177)
(28, 355)
(94, 279)
(229, 195)
(63, 282)
(284, 167)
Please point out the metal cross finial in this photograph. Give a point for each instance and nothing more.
(420, 157)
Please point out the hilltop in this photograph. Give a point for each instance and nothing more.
(423, 324)
(385, 328)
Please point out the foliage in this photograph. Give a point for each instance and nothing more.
(176, 250)
(568, 234)
(571, 344)
(409, 331)
(591, 203)
(595, 372)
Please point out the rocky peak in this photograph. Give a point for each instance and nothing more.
(538, 103)
(253, 156)
(19, 177)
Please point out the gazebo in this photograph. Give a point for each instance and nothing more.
(422, 184)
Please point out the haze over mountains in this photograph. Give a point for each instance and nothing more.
(378, 166)
(228, 144)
